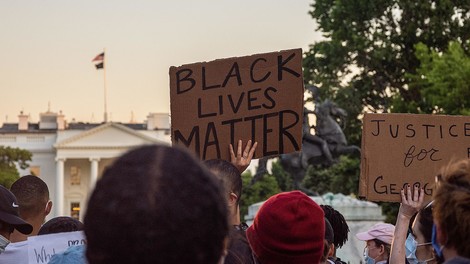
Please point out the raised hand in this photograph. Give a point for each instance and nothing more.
(242, 160)
(411, 203)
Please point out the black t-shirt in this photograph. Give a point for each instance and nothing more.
(239, 251)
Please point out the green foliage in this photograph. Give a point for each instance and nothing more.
(9, 157)
(370, 47)
(8, 176)
(390, 210)
(444, 80)
(263, 189)
(283, 178)
(342, 177)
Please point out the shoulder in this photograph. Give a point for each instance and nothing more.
(239, 247)
(15, 253)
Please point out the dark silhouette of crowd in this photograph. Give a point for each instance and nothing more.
(161, 204)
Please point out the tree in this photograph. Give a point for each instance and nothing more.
(283, 178)
(370, 47)
(368, 60)
(444, 80)
(9, 157)
(261, 190)
(342, 177)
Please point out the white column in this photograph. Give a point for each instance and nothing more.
(59, 187)
(94, 172)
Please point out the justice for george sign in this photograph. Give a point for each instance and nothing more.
(402, 149)
(258, 97)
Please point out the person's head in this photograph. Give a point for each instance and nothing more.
(451, 208)
(288, 228)
(9, 218)
(378, 242)
(339, 225)
(328, 248)
(156, 204)
(418, 243)
(60, 224)
(33, 197)
(231, 180)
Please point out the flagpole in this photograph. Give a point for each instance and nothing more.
(105, 92)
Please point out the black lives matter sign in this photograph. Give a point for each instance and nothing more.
(258, 97)
(408, 149)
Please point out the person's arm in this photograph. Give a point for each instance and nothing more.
(410, 205)
(242, 160)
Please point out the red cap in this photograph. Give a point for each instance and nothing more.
(289, 228)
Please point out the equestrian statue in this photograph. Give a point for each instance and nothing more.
(322, 148)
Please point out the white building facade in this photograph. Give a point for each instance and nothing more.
(70, 158)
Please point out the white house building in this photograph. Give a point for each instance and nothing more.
(70, 157)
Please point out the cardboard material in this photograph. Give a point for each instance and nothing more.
(401, 149)
(258, 97)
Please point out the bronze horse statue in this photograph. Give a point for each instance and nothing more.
(322, 148)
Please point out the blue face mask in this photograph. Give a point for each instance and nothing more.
(410, 246)
(437, 248)
(367, 259)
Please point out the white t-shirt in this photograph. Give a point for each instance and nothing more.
(15, 253)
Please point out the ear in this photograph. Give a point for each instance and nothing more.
(331, 252)
(48, 209)
(232, 201)
(381, 249)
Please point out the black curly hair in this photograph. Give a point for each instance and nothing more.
(156, 204)
(340, 227)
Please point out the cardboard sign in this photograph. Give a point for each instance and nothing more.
(42, 248)
(258, 97)
(402, 149)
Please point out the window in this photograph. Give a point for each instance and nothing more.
(75, 210)
(35, 139)
(75, 175)
(7, 139)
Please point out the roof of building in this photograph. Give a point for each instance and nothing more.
(34, 127)
(9, 128)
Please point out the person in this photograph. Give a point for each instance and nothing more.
(378, 242)
(242, 160)
(340, 230)
(451, 213)
(415, 247)
(328, 247)
(9, 218)
(60, 224)
(289, 228)
(156, 204)
(239, 250)
(33, 198)
(18, 252)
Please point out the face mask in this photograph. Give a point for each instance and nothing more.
(3, 243)
(410, 246)
(368, 259)
(437, 248)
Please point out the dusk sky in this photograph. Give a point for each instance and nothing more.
(47, 46)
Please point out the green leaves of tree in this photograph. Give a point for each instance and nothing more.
(8, 158)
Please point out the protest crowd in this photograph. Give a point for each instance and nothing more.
(160, 204)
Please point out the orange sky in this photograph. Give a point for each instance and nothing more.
(47, 47)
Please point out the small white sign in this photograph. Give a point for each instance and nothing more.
(42, 248)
